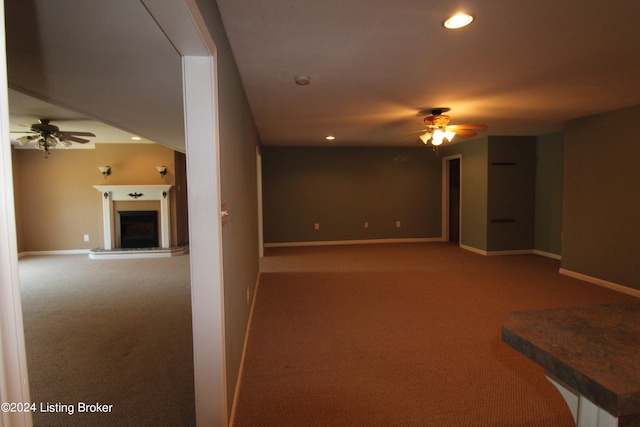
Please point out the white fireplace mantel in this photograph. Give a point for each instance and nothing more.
(113, 193)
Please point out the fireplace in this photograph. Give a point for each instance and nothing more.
(138, 229)
(117, 193)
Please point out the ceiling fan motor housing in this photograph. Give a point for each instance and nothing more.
(44, 127)
(439, 120)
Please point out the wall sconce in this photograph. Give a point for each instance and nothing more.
(162, 170)
(106, 170)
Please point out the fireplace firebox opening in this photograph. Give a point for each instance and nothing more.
(138, 229)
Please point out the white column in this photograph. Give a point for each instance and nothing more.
(107, 217)
(165, 237)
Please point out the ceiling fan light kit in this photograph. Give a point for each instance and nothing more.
(439, 129)
(47, 136)
(24, 140)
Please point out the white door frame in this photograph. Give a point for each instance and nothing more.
(14, 379)
(446, 169)
(260, 218)
(205, 240)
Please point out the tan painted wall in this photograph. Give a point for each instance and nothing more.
(17, 202)
(57, 205)
(135, 163)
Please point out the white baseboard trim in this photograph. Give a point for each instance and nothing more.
(60, 252)
(115, 254)
(493, 253)
(472, 249)
(244, 352)
(513, 252)
(600, 282)
(547, 254)
(138, 253)
(352, 242)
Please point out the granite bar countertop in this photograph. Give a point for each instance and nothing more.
(595, 350)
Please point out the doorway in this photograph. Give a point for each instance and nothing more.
(451, 198)
(454, 200)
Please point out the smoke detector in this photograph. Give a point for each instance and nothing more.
(303, 80)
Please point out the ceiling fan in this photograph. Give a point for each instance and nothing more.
(439, 129)
(48, 136)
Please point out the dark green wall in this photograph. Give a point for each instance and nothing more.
(577, 194)
(511, 193)
(497, 187)
(548, 211)
(342, 188)
(601, 211)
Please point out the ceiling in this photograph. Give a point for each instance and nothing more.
(522, 67)
(102, 66)
(376, 67)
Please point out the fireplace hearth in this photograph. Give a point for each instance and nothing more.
(138, 229)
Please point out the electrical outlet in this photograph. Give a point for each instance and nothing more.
(248, 295)
(397, 224)
(316, 226)
(86, 237)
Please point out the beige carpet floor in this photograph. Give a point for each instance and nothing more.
(117, 332)
(399, 335)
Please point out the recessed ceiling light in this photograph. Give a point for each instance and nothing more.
(136, 138)
(330, 138)
(458, 20)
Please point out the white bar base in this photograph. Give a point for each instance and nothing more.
(585, 413)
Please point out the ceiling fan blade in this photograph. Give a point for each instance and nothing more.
(404, 135)
(65, 137)
(28, 129)
(71, 133)
(464, 132)
(478, 127)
